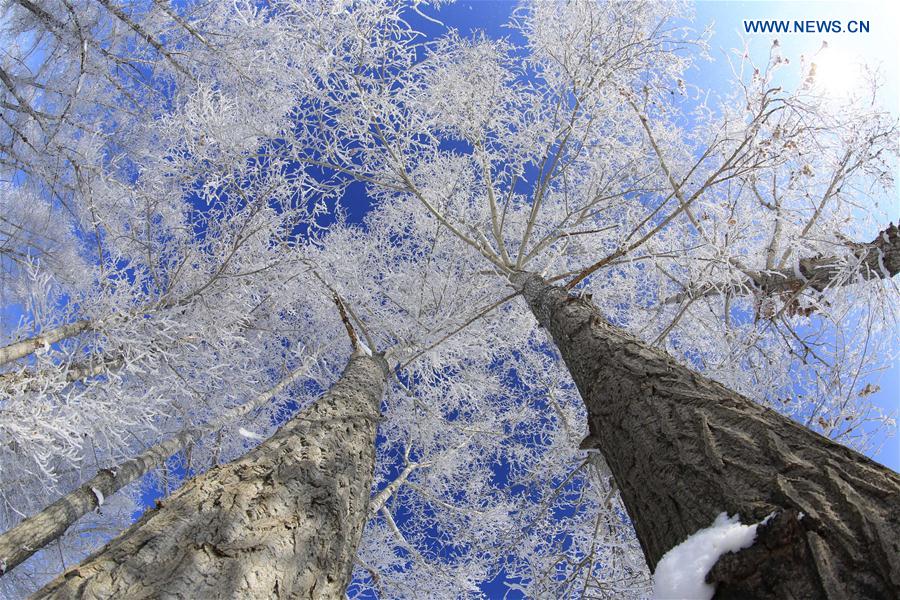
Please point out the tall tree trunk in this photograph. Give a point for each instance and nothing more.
(282, 521)
(684, 448)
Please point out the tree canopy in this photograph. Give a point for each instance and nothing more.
(188, 189)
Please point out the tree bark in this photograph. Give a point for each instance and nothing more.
(684, 448)
(282, 521)
(26, 347)
(75, 372)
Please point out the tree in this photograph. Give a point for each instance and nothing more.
(283, 520)
(724, 230)
(135, 294)
(638, 188)
(684, 448)
(689, 206)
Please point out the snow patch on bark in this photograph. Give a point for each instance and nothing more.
(681, 573)
(99, 496)
(249, 434)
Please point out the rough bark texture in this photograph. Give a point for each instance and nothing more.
(684, 448)
(283, 521)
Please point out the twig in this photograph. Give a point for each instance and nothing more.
(354, 341)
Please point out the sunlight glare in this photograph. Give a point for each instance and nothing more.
(836, 74)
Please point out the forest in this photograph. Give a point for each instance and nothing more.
(391, 299)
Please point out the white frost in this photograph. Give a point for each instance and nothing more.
(681, 572)
(249, 434)
(99, 496)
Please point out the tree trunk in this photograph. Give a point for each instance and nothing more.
(75, 372)
(26, 347)
(684, 448)
(282, 521)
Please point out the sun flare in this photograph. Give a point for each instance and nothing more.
(836, 73)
